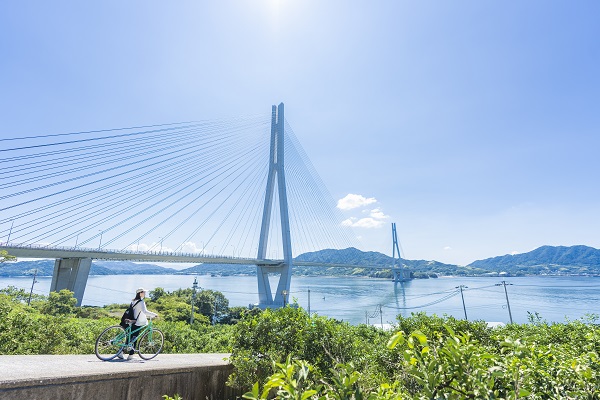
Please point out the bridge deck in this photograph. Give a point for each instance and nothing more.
(72, 376)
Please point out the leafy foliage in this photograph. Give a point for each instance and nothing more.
(4, 256)
(262, 337)
(60, 303)
(175, 397)
(21, 294)
(177, 305)
(440, 358)
(53, 325)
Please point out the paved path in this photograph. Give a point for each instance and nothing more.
(19, 370)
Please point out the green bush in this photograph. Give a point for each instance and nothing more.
(56, 326)
(262, 338)
(456, 365)
(60, 303)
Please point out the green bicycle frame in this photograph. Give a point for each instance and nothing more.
(125, 340)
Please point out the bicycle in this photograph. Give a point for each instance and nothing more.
(115, 339)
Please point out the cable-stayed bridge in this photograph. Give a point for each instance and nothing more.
(228, 191)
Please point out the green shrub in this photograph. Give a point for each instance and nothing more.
(453, 365)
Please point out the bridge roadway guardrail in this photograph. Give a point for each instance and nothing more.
(40, 251)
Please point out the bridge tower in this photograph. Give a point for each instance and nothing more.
(276, 177)
(401, 274)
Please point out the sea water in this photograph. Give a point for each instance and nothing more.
(374, 301)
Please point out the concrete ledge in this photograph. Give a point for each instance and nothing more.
(192, 376)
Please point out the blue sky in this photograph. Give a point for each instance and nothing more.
(472, 125)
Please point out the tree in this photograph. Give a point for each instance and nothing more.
(20, 294)
(172, 308)
(4, 256)
(157, 293)
(60, 303)
(212, 303)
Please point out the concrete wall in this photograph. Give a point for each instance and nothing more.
(202, 382)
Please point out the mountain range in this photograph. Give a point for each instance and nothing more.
(546, 260)
(45, 267)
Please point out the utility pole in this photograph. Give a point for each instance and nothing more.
(33, 283)
(284, 293)
(367, 317)
(308, 303)
(381, 316)
(503, 283)
(194, 287)
(461, 287)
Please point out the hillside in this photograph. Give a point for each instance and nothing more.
(546, 260)
(220, 269)
(420, 268)
(99, 267)
(351, 255)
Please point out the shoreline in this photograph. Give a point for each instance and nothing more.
(330, 276)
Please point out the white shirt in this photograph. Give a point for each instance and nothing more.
(140, 312)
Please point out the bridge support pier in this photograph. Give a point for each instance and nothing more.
(72, 274)
(265, 295)
(400, 274)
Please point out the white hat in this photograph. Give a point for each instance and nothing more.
(140, 290)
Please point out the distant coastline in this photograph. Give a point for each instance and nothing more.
(573, 261)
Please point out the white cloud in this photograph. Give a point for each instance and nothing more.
(352, 201)
(447, 248)
(363, 223)
(371, 218)
(348, 222)
(378, 214)
(191, 247)
(154, 246)
(139, 247)
(188, 247)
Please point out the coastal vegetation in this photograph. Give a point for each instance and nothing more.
(287, 353)
(4, 256)
(54, 325)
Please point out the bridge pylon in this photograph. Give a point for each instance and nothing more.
(276, 177)
(400, 273)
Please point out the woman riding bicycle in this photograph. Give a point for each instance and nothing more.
(140, 312)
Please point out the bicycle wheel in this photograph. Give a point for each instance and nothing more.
(110, 342)
(150, 344)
